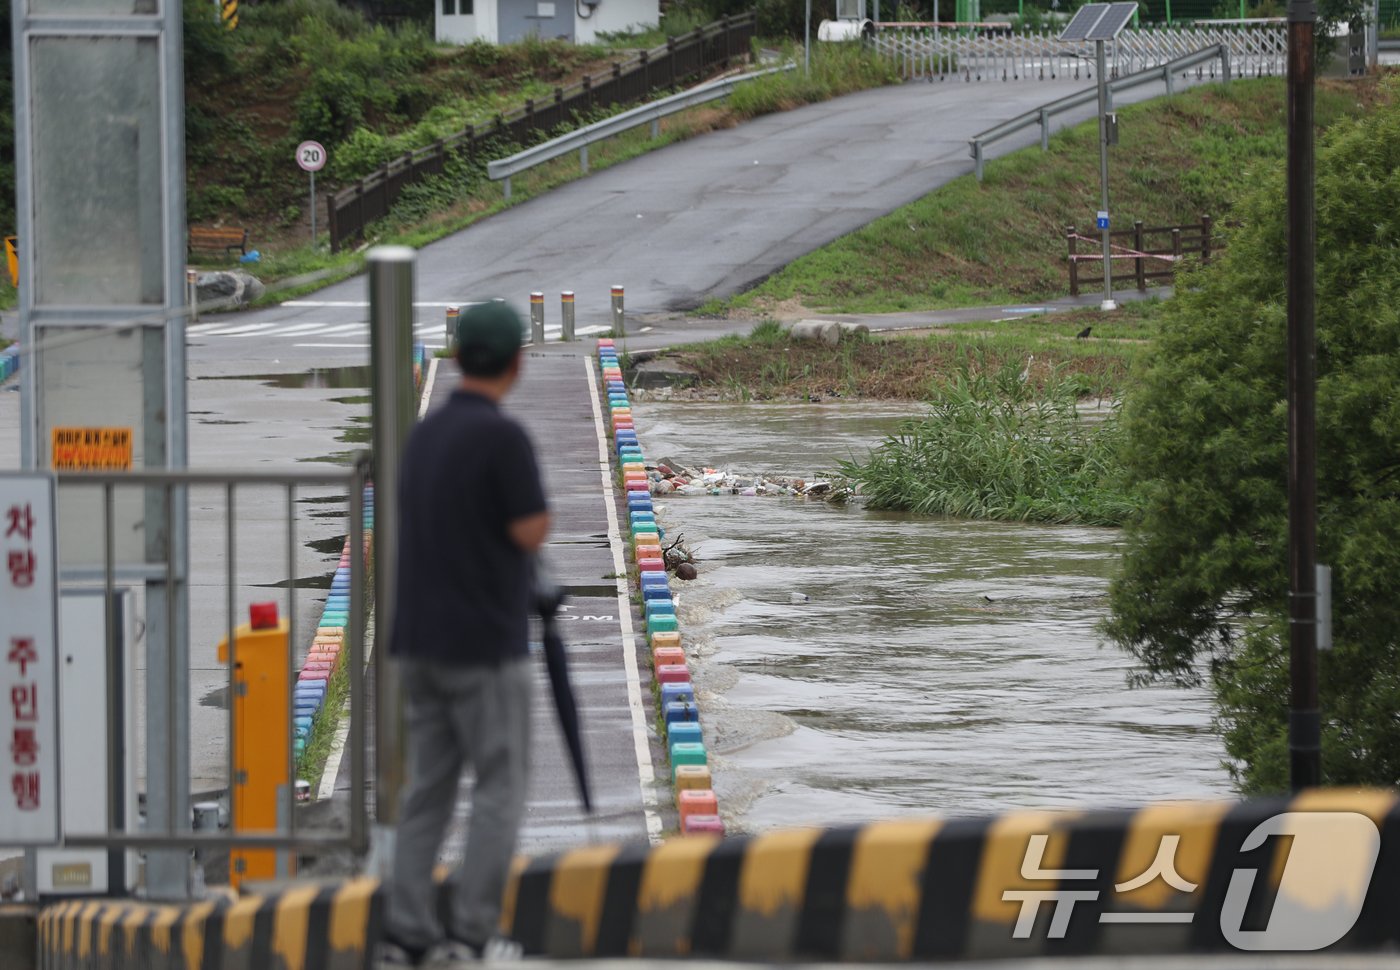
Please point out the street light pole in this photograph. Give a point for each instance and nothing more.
(1304, 715)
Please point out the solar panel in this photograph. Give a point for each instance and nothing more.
(1099, 21)
(1084, 19)
(1112, 22)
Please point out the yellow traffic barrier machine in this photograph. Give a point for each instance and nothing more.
(261, 738)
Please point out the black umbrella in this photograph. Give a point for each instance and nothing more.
(549, 596)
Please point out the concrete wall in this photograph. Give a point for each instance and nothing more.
(614, 15)
(460, 28)
(483, 23)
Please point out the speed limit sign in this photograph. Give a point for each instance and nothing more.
(311, 156)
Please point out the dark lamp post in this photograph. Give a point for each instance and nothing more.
(1304, 716)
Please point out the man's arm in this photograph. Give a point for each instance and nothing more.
(528, 533)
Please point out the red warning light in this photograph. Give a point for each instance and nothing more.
(262, 616)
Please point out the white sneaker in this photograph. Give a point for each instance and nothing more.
(448, 954)
(502, 949)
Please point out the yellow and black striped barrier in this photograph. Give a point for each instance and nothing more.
(1318, 871)
(308, 927)
(228, 10)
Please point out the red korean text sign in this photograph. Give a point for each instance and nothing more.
(29, 769)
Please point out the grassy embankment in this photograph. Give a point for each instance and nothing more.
(1004, 438)
(1003, 240)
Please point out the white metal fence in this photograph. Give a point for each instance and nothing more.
(943, 54)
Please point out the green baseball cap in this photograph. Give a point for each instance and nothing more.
(489, 335)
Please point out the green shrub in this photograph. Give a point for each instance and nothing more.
(994, 446)
(837, 69)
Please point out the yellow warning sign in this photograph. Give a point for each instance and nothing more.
(91, 449)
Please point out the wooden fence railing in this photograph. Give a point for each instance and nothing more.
(684, 58)
(1149, 253)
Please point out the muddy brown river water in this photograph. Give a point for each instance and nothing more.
(856, 665)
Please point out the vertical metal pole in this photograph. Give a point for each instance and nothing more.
(192, 289)
(285, 860)
(1304, 716)
(115, 730)
(1373, 37)
(537, 318)
(807, 42)
(391, 270)
(618, 315)
(454, 313)
(313, 209)
(358, 739)
(177, 684)
(235, 793)
(1107, 303)
(566, 315)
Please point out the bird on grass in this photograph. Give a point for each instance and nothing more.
(1084, 333)
(1025, 374)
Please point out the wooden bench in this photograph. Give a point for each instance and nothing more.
(207, 239)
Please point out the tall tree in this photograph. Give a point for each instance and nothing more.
(1203, 586)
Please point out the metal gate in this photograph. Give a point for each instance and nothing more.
(1040, 56)
(211, 489)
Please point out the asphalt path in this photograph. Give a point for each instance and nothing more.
(700, 219)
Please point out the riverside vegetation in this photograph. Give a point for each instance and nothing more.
(1193, 463)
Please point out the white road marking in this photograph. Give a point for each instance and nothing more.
(349, 304)
(646, 776)
(247, 328)
(303, 329)
(429, 344)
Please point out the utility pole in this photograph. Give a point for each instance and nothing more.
(1304, 716)
(1101, 65)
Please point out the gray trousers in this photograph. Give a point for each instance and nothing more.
(458, 717)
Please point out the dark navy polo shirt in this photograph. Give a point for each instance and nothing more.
(465, 590)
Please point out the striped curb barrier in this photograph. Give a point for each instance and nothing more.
(328, 644)
(1320, 870)
(681, 729)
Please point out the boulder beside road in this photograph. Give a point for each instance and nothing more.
(227, 289)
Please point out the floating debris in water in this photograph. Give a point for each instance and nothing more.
(670, 477)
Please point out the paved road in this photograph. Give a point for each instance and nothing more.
(701, 219)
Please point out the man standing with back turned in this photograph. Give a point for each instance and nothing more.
(472, 515)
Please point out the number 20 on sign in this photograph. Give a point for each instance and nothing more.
(311, 156)
(29, 770)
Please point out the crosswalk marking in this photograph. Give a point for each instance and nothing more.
(247, 330)
(550, 333)
(430, 332)
(351, 304)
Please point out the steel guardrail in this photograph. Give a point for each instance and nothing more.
(653, 112)
(681, 59)
(1043, 114)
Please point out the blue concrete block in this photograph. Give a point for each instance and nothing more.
(677, 693)
(650, 593)
(660, 608)
(681, 711)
